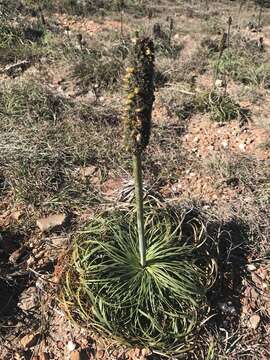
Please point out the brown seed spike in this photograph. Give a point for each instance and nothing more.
(139, 83)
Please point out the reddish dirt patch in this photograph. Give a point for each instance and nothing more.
(196, 185)
(85, 25)
(205, 137)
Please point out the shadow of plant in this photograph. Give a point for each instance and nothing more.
(232, 258)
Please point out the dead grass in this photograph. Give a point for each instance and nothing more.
(45, 140)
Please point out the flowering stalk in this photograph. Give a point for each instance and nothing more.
(139, 84)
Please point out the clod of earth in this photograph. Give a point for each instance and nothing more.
(254, 321)
(51, 222)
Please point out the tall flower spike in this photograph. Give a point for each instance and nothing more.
(139, 85)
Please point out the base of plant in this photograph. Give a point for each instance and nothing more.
(159, 306)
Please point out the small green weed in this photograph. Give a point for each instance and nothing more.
(221, 107)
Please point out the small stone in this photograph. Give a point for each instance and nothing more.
(59, 240)
(51, 222)
(17, 255)
(225, 144)
(100, 354)
(30, 261)
(254, 321)
(219, 83)
(71, 346)
(254, 295)
(16, 215)
(251, 267)
(245, 310)
(196, 139)
(145, 353)
(87, 171)
(242, 146)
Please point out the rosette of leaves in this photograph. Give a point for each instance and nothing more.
(159, 306)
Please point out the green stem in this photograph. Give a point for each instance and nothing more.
(137, 170)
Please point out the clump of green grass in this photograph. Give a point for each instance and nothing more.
(166, 48)
(221, 107)
(156, 306)
(30, 102)
(164, 44)
(20, 43)
(98, 70)
(243, 68)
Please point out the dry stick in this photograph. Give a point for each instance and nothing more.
(122, 30)
(240, 9)
(229, 31)
(41, 16)
(171, 30)
(260, 13)
(121, 9)
(222, 47)
(228, 47)
(137, 169)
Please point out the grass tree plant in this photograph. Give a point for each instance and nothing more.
(139, 83)
(141, 275)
